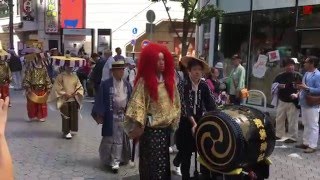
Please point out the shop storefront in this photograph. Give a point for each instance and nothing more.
(74, 39)
(266, 28)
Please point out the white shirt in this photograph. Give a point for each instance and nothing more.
(126, 73)
(132, 76)
(120, 93)
(106, 74)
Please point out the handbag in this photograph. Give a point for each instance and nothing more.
(312, 100)
(244, 93)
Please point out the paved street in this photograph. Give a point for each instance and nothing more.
(39, 152)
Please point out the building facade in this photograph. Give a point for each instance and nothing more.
(69, 25)
(274, 28)
(126, 18)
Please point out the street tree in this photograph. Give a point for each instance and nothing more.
(192, 14)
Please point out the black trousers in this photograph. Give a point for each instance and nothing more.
(154, 161)
(186, 145)
(69, 109)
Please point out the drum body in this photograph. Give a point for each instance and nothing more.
(234, 137)
(38, 99)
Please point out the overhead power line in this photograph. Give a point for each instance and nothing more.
(132, 18)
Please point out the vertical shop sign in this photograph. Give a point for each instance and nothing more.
(72, 14)
(51, 16)
(27, 10)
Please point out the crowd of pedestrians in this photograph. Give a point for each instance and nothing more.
(156, 101)
(291, 93)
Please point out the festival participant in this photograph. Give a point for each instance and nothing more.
(37, 84)
(5, 77)
(109, 109)
(5, 73)
(197, 98)
(67, 93)
(153, 111)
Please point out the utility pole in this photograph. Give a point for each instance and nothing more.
(10, 6)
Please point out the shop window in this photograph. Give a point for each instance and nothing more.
(308, 17)
(4, 9)
(273, 30)
(18, 7)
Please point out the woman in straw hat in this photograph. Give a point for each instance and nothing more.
(153, 111)
(37, 84)
(197, 98)
(108, 109)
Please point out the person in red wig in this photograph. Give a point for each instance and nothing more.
(153, 111)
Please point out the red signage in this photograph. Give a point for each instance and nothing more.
(307, 10)
(72, 14)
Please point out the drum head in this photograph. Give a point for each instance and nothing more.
(220, 142)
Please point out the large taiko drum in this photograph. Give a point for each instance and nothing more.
(234, 137)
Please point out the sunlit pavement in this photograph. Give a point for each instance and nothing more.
(40, 152)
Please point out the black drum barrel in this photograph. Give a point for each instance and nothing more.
(234, 137)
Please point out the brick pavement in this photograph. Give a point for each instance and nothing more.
(40, 153)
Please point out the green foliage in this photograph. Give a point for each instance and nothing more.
(205, 14)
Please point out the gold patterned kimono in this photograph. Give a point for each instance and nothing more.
(5, 78)
(5, 73)
(158, 117)
(37, 78)
(38, 82)
(164, 112)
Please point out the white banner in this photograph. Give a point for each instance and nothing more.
(259, 68)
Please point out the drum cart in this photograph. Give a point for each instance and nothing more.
(245, 165)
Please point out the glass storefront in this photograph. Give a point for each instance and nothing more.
(272, 30)
(282, 27)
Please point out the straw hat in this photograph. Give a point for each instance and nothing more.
(186, 59)
(68, 61)
(118, 65)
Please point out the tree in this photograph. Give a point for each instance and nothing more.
(192, 14)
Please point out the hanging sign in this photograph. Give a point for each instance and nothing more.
(259, 68)
(52, 16)
(274, 56)
(27, 10)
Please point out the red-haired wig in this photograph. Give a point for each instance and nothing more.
(147, 69)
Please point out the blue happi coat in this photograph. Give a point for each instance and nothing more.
(103, 105)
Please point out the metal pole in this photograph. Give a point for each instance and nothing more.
(297, 14)
(151, 31)
(10, 4)
(249, 45)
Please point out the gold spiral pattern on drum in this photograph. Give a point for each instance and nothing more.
(220, 139)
